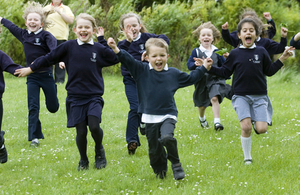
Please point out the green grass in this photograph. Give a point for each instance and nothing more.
(213, 161)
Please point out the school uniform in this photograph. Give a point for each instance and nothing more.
(157, 105)
(249, 67)
(85, 86)
(294, 43)
(136, 48)
(36, 44)
(271, 46)
(210, 85)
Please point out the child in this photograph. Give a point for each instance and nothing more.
(250, 64)
(211, 89)
(36, 43)
(156, 86)
(264, 40)
(134, 45)
(84, 61)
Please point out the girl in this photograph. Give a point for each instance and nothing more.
(264, 38)
(211, 89)
(36, 43)
(84, 61)
(250, 64)
(136, 47)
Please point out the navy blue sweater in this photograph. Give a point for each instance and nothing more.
(156, 89)
(249, 68)
(35, 45)
(6, 64)
(137, 48)
(271, 46)
(84, 65)
(294, 43)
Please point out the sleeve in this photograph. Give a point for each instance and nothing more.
(109, 57)
(15, 30)
(68, 11)
(7, 63)
(226, 70)
(270, 68)
(273, 47)
(294, 43)
(230, 38)
(271, 29)
(221, 59)
(102, 41)
(191, 62)
(124, 45)
(51, 41)
(185, 79)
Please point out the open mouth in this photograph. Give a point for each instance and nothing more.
(158, 65)
(83, 35)
(248, 40)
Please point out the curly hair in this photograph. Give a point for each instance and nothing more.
(33, 7)
(208, 25)
(129, 15)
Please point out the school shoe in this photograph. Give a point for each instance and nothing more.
(218, 127)
(204, 124)
(161, 175)
(178, 171)
(34, 143)
(100, 159)
(3, 152)
(248, 161)
(83, 165)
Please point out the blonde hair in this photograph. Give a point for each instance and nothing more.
(158, 42)
(129, 15)
(33, 7)
(208, 25)
(86, 16)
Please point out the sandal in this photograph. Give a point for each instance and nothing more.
(132, 146)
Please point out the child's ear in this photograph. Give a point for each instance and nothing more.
(42, 24)
(239, 36)
(74, 30)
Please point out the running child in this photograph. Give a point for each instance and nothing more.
(156, 86)
(36, 42)
(135, 46)
(84, 60)
(211, 89)
(250, 64)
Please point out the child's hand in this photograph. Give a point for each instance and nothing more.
(284, 32)
(144, 57)
(286, 54)
(22, 72)
(198, 61)
(225, 26)
(100, 31)
(112, 44)
(267, 16)
(62, 65)
(207, 63)
(225, 55)
(128, 33)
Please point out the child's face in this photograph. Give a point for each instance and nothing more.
(135, 25)
(84, 30)
(56, 2)
(206, 37)
(157, 57)
(33, 22)
(247, 34)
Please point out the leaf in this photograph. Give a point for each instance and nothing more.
(222, 51)
(284, 25)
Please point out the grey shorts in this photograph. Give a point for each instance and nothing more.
(256, 107)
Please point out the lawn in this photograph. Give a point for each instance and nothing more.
(213, 161)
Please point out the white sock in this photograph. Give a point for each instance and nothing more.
(246, 145)
(217, 120)
(202, 118)
(35, 140)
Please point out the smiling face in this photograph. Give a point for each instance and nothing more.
(206, 37)
(157, 56)
(135, 25)
(33, 22)
(84, 30)
(247, 34)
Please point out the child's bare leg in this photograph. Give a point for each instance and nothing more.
(216, 111)
(202, 118)
(201, 111)
(261, 127)
(246, 129)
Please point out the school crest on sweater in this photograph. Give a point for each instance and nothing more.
(256, 59)
(94, 57)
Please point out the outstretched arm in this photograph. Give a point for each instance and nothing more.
(112, 44)
(23, 72)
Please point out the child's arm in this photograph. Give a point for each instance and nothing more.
(7, 63)
(100, 36)
(112, 44)
(192, 62)
(295, 41)
(271, 30)
(286, 54)
(230, 38)
(129, 37)
(15, 30)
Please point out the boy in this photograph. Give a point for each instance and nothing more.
(156, 86)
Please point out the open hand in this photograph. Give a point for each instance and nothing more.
(100, 31)
(22, 72)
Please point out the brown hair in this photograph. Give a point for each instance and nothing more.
(33, 7)
(86, 16)
(129, 15)
(209, 25)
(158, 42)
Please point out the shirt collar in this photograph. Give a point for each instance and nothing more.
(165, 68)
(36, 32)
(213, 48)
(138, 37)
(252, 46)
(91, 42)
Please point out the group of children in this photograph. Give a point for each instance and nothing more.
(150, 84)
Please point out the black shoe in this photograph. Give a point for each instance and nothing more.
(3, 152)
(83, 165)
(132, 146)
(218, 127)
(204, 124)
(161, 175)
(100, 159)
(178, 171)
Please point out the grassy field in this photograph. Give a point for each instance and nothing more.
(213, 161)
